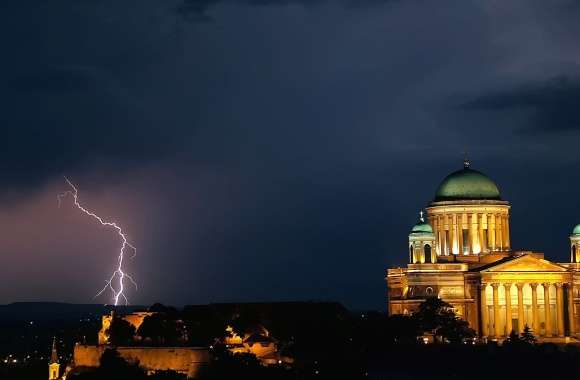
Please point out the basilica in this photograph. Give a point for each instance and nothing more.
(461, 252)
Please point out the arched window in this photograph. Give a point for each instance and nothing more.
(574, 254)
(411, 254)
(427, 251)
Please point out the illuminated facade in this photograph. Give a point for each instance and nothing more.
(463, 255)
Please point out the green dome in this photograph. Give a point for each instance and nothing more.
(467, 184)
(422, 227)
(576, 230)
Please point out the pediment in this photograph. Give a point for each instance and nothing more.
(525, 263)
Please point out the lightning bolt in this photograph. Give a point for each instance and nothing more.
(116, 282)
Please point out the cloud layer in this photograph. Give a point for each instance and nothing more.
(282, 143)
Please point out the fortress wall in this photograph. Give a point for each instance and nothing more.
(185, 360)
(87, 356)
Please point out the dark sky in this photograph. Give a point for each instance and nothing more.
(273, 149)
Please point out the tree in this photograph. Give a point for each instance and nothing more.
(244, 321)
(160, 329)
(225, 365)
(120, 332)
(433, 313)
(514, 340)
(527, 336)
(438, 317)
(112, 366)
(455, 330)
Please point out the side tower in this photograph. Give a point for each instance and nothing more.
(575, 245)
(469, 218)
(422, 243)
(53, 365)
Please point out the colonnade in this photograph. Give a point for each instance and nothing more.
(485, 232)
(496, 330)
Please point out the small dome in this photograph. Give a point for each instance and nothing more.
(423, 228)
(467, 184)
(576, 230)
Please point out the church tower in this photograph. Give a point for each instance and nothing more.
(422, 243)
(53, 366)
(575, 245)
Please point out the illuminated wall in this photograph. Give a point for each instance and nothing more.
(185, 360)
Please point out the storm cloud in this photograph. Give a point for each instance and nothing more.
(286, 143)
(553, 106)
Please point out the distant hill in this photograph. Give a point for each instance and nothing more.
(57, 311)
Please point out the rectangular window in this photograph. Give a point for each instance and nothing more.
(465, 241)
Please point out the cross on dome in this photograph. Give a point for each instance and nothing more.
(466, 162)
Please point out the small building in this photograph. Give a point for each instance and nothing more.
(258, 342)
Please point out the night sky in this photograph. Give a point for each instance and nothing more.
(271, 150)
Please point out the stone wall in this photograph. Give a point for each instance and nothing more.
(186, 360)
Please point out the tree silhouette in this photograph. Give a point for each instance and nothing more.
(438, 317)
(514, 341)
(528, 336)
(160, 329)
(120, 332)
(112, 366)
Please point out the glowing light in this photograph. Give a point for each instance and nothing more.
(119, 274)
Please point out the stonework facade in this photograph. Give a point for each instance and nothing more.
(184, 360)
(463, 255)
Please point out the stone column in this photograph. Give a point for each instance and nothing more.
(535, 323)
(441, 230)
(548, 315)
(497, 331)
(442, 220)
(502, 231)
(474, 233)
(560, 308)
(507, 231)
(499, 235)
(484, 316)
(480, 232)
(508, 308)
(435, 227)
(491, 231)
(571, 316)
(452, 233)
(521, 322)
(460, 233)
